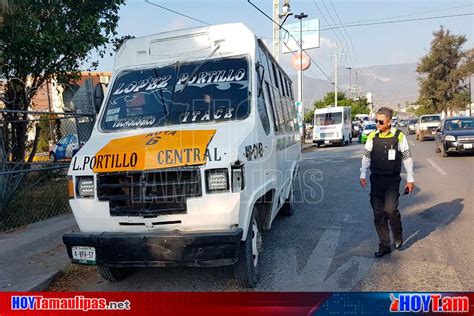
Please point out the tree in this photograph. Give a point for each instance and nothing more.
(443, 72)
(359, 106)
(329, 100)
(309, 116)
(45, 40)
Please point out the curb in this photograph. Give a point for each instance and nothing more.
(44, 281)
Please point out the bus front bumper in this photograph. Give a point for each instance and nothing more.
(157, 249)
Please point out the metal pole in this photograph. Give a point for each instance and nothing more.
(350, 81)
(300, 17)
(470, 97)
(276, 30)
(335, 78)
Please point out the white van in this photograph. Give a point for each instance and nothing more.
(332, 125)
(192, 156)
(426, 126)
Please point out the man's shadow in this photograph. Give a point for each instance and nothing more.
(422, 224)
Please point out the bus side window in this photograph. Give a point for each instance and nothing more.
(292, 110)
(264, 61)
(262, 111)
(271, 102)
(283, 87)
(287, 87)
(290, 87)
(280, 110)
(286, 109)
(275, 76)
(290, 114)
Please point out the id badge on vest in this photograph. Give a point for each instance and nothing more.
(391, 154)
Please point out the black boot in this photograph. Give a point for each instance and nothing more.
(382, 251)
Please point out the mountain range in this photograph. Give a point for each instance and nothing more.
(390, 85)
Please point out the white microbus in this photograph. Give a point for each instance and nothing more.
(332, 125)
(192, 156)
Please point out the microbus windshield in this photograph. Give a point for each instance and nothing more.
(328, 119)
(183, 93)
(431, 118)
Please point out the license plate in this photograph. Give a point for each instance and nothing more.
(433, 132)
(467, 146)
(84, 254)
(326, 142)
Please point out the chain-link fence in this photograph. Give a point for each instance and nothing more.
(38, 141)
(36, 188)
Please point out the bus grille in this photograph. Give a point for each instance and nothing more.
(327, 135)
(149, 194)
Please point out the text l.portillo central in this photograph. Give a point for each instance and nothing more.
(164, 157)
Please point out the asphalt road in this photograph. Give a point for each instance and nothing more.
(328, 244)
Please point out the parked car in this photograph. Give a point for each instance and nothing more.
(356, 128)
(369, 127)
(65, 148)
(426, 126)
(411, 126)
(455, 134)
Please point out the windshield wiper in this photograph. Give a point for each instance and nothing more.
(200, 66)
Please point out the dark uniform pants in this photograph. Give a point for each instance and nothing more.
(384, 194)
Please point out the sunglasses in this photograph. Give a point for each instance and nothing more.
(380, 122)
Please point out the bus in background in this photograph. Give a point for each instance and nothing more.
(332, 125)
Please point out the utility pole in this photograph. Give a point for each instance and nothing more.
(335, 76)
(300, 17)
(276, 30)
(350, 80)
(278, 25)
(470, 97)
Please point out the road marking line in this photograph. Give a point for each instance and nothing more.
(438, 168)
(412, 143)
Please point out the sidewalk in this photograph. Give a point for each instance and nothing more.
(308, 144)
(30, 257)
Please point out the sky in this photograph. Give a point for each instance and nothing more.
(361, 46)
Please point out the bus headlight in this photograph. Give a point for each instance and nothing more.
(217, 180)
(85, 187)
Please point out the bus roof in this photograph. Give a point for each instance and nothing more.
(332, 109)
(185, 45)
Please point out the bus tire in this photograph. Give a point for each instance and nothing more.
(247, 267)
(113, 274)
(288, 209)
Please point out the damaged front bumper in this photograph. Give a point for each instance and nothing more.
(158, 249)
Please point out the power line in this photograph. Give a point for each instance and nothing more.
(176, 12)
(324, 17)
(400, 21)
(303, 50)
(347, 34)
(343, 40)
(332, 19)
(406, 15)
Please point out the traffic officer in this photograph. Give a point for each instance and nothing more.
(385, 150)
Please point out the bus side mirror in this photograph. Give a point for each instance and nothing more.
(261, 74)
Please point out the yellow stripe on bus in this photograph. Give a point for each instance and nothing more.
(158, 150)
